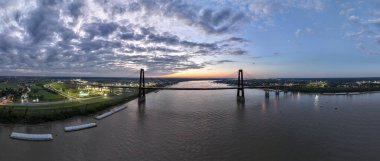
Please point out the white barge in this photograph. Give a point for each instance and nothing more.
(110, 112)
(79, 127)
(25, 136)
(104, 115)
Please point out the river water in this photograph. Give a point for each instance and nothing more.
(212, 125)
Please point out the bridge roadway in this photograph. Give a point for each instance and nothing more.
(191, 88)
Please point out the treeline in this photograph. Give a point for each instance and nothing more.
(332, 89)
(11, 92)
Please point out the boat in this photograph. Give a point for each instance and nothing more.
(103, 115)
(36, 137)
(110, 112)
(117, 109)
(79, 127)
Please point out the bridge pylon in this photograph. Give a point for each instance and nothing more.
(142, 86)
(240, 89)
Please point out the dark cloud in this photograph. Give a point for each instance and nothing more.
(274, 54)
(75, 8)
(236, 39)
(100, 29)
(225, 61)
(209, 20)
(219, 21)
(62, 37)
(88, 46)
(42, 23)
(238, 52)
(217, 62)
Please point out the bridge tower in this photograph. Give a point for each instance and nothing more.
(240, 89)
(142, 86)
(266, 93)
(277, 92)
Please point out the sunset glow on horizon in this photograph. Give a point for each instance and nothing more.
(201, 74)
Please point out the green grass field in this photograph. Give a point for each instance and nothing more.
(65, 88)
(73, 91)
(76, 103)
(37, 114)
(37, 91)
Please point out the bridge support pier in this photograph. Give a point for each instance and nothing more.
(240, 90)
(142, 86)
(266, 93)
(277, 91)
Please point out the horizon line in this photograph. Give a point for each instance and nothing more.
(160, 77)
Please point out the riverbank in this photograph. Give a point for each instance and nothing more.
(45, 113)
(174, 125)
(332, 90)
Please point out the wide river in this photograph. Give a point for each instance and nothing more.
(212, 125)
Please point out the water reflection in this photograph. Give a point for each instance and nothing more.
(240, 105)
(276, 102)
(316, 103)
(264, 105)
(298, 96)
(210, 125)
(141, 108)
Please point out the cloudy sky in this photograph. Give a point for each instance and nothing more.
(266, 38)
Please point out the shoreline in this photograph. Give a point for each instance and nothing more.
(337, 93)
(50, 102)
(40, 114)
(331, 91)
(33, 115)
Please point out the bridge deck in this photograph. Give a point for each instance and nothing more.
(192, 88)
(175, 88)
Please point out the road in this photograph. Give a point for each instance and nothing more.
(52, 103)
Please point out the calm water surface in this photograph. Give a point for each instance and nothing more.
(212, 125)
